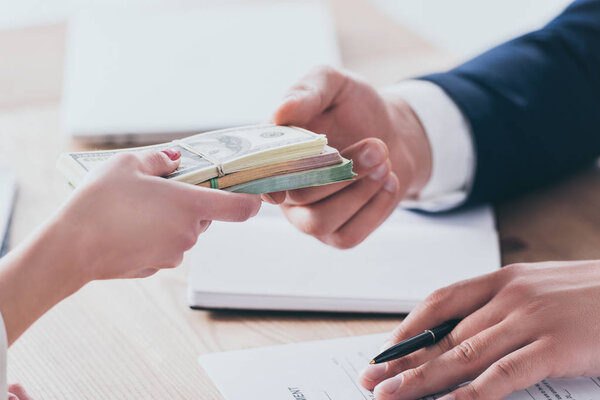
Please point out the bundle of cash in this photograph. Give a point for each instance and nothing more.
(251, 159)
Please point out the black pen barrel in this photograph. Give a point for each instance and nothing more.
(405, 347)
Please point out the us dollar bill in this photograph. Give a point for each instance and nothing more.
(211, 154)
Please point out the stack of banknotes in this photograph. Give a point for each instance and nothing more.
(251, 159)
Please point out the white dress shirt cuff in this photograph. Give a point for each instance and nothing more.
(453, 156)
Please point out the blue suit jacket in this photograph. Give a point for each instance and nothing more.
(533, 104)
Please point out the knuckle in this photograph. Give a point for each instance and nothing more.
(519, 288)
(466, 352)
(327, 71)
(156, 158)
(470, 392)
(402, 364)
(449, 342)
(513, 270)
(415, 375)
(16, 387)
(436, 300)
(126, 159)
(505, 369)
(399, 333)
(312, 225)
(346, 239)
(533, 308)
(177, 260)
(188, 241)
(246, 210)
(297, 197)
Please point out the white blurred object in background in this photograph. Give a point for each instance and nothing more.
(147, 76)
(466, 28)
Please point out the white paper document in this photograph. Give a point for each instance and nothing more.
(267, 264)
(328, 370)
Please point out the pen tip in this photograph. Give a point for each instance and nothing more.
(372, 362)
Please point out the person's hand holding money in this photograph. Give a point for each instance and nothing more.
(380, 133)
(142, 222)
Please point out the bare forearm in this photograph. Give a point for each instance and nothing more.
(36, 276)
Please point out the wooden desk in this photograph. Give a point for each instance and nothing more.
(138, 339)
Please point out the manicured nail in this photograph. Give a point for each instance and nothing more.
(371, 155)
(374, 372)
(391, 385)
(172, 154)
(380, 173)
(448, 397)
(390, 184)
(267, 197)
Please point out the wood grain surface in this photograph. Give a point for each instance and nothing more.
(137, 339)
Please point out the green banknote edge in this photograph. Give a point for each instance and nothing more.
(317, 177)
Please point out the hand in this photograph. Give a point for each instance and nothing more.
(17, 392)
(127, 221)
(124, 221)
(379, 132)
(521, 324)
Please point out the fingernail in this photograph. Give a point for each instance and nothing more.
(380, 173)
(448, 397)
(371, 155)
(267, 197)
(374, 372)
(172, 154)
(391, 385)
(390, 184)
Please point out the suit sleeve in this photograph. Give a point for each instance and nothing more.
(533, 104)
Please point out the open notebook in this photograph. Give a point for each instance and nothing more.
(267, 264)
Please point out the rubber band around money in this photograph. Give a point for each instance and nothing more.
(208, 158)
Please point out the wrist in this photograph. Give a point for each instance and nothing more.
(409, 144)
(36, 276)
(64, 245)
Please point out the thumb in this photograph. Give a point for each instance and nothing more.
(160, 163)
(311, 96)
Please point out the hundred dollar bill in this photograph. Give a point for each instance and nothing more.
(214, 154)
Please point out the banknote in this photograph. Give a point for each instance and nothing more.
(316, 177)
(329, 156)
(212, 154)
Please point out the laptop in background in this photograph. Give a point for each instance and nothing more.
(149, 76)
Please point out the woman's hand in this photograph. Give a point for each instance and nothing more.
(521, 324)
(127, 221)
(379, 132)
(17, 392)
(124, 221)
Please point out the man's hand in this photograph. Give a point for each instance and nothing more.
(521, 324)
(379, 132)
